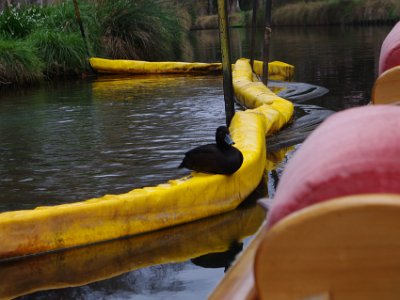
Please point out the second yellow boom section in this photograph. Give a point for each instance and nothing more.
(277, 70)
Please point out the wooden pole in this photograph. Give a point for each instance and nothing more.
(267, 35)
(226, 60)
(78, 18)
(253, 32)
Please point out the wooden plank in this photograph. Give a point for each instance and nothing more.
(347, 248)
(386, 88)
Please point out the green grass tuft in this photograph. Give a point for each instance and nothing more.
(63, 53)
(19, 63)
(139, 30)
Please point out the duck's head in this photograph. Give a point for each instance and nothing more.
(223, 138)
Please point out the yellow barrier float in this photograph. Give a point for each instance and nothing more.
(124, 66)
(84, 265)
(276, 70)
(178, 201)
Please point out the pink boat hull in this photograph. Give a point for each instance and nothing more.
(390, 51)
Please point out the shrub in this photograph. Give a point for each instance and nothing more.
(19, 22)
(139, 30)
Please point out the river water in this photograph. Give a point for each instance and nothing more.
(77, 139)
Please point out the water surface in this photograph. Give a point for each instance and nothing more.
(110, 135)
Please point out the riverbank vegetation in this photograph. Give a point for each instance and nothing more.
(41, 41)
(307, 12)
(19, 63)
(44, 41)
(330, 12)
(139, 30)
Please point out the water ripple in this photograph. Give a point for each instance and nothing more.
(126, 133)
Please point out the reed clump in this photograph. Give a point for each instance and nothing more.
(139, 29)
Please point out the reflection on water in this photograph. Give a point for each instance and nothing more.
(114, 135)
(220, 259)
(342, 59)
(76, 140)
(307, 118)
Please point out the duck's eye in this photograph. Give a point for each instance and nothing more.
(228, 140)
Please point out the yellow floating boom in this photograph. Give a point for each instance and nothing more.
(175, 202)
(277, 70)
(84, 265)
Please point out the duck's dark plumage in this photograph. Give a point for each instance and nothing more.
(219, 158)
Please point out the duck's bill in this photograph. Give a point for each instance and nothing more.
(229, 140)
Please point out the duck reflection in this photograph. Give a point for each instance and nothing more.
(219, 259)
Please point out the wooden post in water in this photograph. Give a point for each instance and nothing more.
(253, 32)
(267, 35)
(226, 60)
(78, 18)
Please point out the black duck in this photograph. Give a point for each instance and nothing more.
(219, 158)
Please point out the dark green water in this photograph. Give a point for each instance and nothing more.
(79, 139)
(109, 135)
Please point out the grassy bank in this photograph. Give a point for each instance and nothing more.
(317, 12)
(337, 12)
(241, 19)
(43, 42)
(19, 63)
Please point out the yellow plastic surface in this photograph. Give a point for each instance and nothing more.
(386, 88)
(277, 70)
(123, 66)
(175, 202)
(254, 94)
(83, 265)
